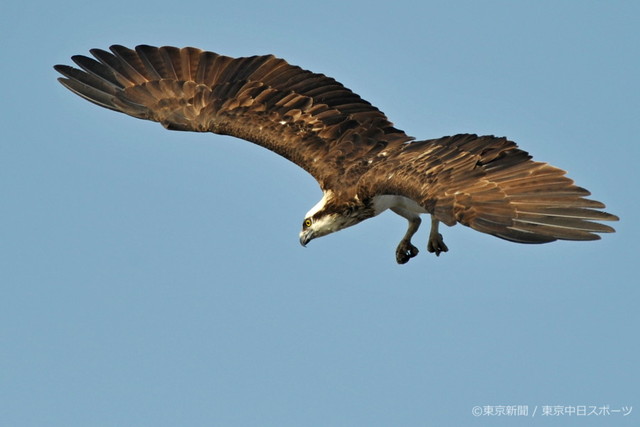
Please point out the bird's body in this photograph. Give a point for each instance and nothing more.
(363, 164)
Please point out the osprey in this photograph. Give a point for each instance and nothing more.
(363, 164)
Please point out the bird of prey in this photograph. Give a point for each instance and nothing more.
(363, 164)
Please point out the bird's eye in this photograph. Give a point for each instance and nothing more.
(307, 223)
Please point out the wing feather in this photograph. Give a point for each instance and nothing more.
(88, 86)
(308, 118)
(132, 63)
(487, 183)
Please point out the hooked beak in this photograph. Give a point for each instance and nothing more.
(305, 237)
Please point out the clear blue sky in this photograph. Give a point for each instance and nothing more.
(155, 278)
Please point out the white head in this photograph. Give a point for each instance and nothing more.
(328, 216)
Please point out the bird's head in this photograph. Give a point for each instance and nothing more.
(329, 216)
(321, 225)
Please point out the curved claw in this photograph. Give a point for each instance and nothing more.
(405, 252)
(436, 244)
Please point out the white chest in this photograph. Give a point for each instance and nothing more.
(384, 202)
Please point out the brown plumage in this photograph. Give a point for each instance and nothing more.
(362, 163)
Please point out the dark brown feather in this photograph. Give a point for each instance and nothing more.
(487, 183)
(308, 118)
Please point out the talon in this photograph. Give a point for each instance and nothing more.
(436, 244)
(405, 252)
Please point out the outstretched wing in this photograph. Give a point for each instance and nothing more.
(490, 185)
(307, 118)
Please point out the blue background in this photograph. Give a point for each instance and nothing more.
(155, 278)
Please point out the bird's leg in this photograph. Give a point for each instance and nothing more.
(406, 250)
(436, 244)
